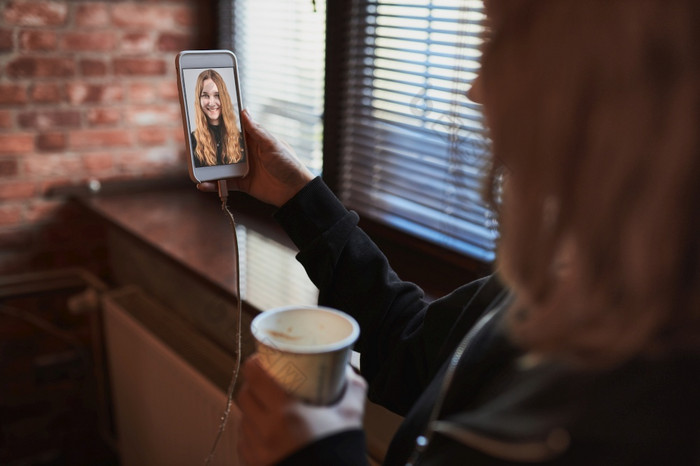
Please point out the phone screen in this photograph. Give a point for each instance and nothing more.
(213, 120)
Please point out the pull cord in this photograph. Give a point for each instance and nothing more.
(223, 195)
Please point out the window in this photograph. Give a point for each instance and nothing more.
(410, 145)
(280, 50)
(413, 145)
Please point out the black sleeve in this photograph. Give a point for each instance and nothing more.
(402, 334)
(345, 448)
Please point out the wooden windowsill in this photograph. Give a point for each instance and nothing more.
(190, 229)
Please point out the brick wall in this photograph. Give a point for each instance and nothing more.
(87, 91)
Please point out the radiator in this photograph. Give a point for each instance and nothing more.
(166, 412)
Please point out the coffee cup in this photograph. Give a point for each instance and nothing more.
(306, 349)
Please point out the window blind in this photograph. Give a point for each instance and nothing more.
(413, 146)
(280, 50)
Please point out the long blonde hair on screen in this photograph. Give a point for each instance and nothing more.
(231, 151)
(594, 115)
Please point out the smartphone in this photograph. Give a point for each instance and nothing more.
(210, 101)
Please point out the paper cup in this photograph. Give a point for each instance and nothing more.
(306, 349)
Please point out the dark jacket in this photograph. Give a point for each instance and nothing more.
(216, 136)
(452, 356)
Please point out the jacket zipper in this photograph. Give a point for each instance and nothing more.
(423, 440)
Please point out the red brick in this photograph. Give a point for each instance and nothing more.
(16, 143)
(103, 116)
(50, 119)
(173, 42)
(8, 167)
(7, 41)
(36, 13)
(154, 136)
(51, 141)
(17, 190)
(139, 67)
(5, 119)
(178, 136)
(46, 93)
(37, 40)
(153, 115)
(168, 91)
(151, 17)
(10, 214)
(41, 67)
(52, 166)
(142, 92)
(89, 67)
(12, 94)
(137, 42)
(89, 41)
(92, 15)
(184, 16)
(97, 163)
(129, 161)
(81, 93)
(90, 139)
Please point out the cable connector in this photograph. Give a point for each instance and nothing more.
(223, 193)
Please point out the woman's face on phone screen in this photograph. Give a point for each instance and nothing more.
(210, 103)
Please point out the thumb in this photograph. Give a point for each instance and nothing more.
(252, 128)
(356, 384)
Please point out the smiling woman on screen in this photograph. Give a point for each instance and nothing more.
(217, 139)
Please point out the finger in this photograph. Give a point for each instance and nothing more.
(357, 386)
(247, 120)
(352, 403)
(256, 131)
(207, 187)
(355, 377)
(249, 125)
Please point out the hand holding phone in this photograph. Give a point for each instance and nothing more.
(210, 101)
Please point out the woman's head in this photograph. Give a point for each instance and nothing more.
(214, 107)
(594, 109)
